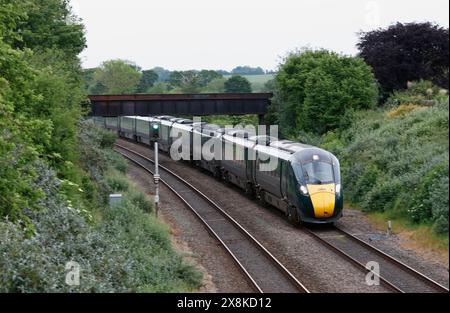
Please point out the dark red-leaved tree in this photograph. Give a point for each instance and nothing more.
(407, 52)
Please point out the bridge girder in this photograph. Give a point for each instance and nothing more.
(180, 104)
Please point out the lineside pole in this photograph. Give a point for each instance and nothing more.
(156, 179)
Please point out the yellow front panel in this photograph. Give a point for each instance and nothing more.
(323, 199)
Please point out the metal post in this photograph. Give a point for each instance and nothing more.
(156, 179)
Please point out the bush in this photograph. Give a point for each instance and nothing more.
(117, 183)
(139, 200)
(401, 110)
(316, 91)
(418, 93)
(127, 250)
(396, 160)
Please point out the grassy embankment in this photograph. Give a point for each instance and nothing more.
(395, 164)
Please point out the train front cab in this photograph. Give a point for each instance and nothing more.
(315, 182)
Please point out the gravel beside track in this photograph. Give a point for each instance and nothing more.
(262, 269)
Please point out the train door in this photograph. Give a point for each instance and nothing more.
(250, 164)
(284, 178)
(291, 185)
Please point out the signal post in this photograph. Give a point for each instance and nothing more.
(156, 177)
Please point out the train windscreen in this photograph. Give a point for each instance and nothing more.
(315, 173)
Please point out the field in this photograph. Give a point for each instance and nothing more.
(257, 81)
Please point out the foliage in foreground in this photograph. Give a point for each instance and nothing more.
(40, 98)
(397, 160)
(124, 249)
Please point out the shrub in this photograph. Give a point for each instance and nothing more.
(398, 165)
(140, 200)
(401, 110)
(128, 250)
(116, 161)
(418, 93)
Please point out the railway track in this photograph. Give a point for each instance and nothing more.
(263, 271)
(394, 274)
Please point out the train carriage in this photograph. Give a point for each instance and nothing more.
(235, 147)
(209, 140)
(112, 123)
(301, 180)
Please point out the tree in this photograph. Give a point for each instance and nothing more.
(185, 81)
(147, 81)
(50, 24)
(163, 74)
(247, 70)
(317, 89)
(223, 72)
(207, 76)
(159, 88)
(237, 84)
(40, 98)
(118, 77)
(215, 86)
(12, 15)
(407, 52)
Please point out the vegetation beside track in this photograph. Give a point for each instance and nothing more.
(395, 160)
(119, 249)
(56, 173)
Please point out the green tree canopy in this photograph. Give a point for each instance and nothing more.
(317, 89)
(215, 86)
(207, 76)
(42, 24)
(40, 97)
(148, 79)
(163, 74)
(247, 70)
(238, 84)
(192, 81)
(118, 77)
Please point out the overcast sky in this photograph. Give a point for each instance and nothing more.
(213, 34)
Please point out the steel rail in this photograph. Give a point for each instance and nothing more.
(283, 270)
(427, 280)
(385, 282)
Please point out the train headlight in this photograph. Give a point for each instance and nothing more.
(304, 190)
(338, 188)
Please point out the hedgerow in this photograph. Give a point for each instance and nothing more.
(124, 249)
(398, 162)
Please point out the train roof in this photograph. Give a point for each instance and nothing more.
(284, 149)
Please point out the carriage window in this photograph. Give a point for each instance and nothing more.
(315, 172)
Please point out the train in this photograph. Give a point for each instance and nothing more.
(305, 183)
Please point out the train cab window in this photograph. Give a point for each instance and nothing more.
(315, 172)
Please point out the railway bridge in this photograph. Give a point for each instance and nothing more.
(181, 104)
